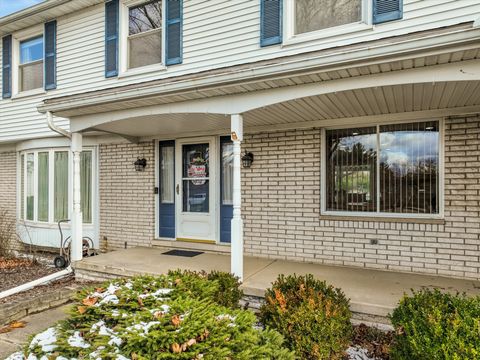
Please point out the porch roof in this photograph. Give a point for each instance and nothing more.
(414, 77)
(371, 292)
(417, 50)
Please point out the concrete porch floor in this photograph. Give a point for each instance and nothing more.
(372, 293)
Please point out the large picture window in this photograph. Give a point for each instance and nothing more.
(313, 15)
(45, 183)
(145, 34)
(387, 169)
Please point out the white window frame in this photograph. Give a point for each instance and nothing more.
(51, 185)
(123, 48)
(324, 34)
(378, 214)
(17, 38)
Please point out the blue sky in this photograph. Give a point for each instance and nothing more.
(10, 6)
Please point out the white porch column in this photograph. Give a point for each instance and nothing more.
(77, 222)
(237, 222)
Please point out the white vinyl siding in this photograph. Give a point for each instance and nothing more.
(232, 39)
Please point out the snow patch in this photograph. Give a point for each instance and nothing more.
(76, 340)
(358, 353)
(46, 340)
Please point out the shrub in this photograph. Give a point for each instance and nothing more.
(7, 233)
(229, 293)
(313, 317)
(434, 325)
(165, 317)
(224, 288)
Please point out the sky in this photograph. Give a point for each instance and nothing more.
(10, 6)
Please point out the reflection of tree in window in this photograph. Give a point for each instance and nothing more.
(351, 170)
(311, 15)
(145, 34)
(408, 177)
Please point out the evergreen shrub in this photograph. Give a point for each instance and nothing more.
(313, 317)
(433, 325)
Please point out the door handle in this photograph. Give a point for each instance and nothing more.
(178, 189)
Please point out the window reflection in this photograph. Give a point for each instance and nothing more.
(311, 15)
(409, 168)
(351, 169)
(407, 179)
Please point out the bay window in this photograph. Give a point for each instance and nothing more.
(31, 64)
(45, 186)
(385, 169)
(145, 34)
(313, 15)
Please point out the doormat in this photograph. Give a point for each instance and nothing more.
(184, 253)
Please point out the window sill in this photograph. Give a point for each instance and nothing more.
(324, 35)
(142, 70)
(45, 225)
(381, 218)
(29, 93)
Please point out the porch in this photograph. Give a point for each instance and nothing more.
(373, 294)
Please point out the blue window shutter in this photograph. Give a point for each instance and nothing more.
(7, 67)
(174, 29)
(387, 10)
(271, 22)
(50, 63)
(111, 38)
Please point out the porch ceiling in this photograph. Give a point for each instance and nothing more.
(321, 110)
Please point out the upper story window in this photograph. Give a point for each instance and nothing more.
(383, 169)
(30, 72)
(145, 34)
(313, 15)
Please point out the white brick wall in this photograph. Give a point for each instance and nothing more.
(281, 205)
(127, 208)
(8, 190)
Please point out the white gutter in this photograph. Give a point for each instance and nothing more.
(55, 128)
(56, 276)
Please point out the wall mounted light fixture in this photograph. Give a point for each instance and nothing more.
(247, 159)
(140, 164)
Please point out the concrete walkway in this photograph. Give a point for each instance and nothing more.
(14, 341)
(373, 293)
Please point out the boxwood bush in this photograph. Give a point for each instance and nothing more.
(313, 317)
(174, 316)
(433, 325)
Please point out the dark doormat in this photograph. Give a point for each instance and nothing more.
(184, 253)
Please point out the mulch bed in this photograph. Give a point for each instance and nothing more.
(18, 271)
(68, 281)
(377, 342)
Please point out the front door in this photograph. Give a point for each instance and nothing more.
(195, 189)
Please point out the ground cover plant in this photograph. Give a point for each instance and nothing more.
(433, 325)
(174, 316)
(313, 317)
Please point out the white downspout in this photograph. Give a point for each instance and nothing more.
(77, 224)
(55, 128)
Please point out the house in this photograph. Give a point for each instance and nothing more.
(332, 132)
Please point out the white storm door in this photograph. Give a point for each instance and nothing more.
(195, 189)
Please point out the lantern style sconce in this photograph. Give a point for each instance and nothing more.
(247, 159)
(140, 164)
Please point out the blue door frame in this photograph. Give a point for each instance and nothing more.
(166, 210)
(226, 210)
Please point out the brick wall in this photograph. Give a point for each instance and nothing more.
(126, 196)
(8, 176)
(8, 189)
(281, 205)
